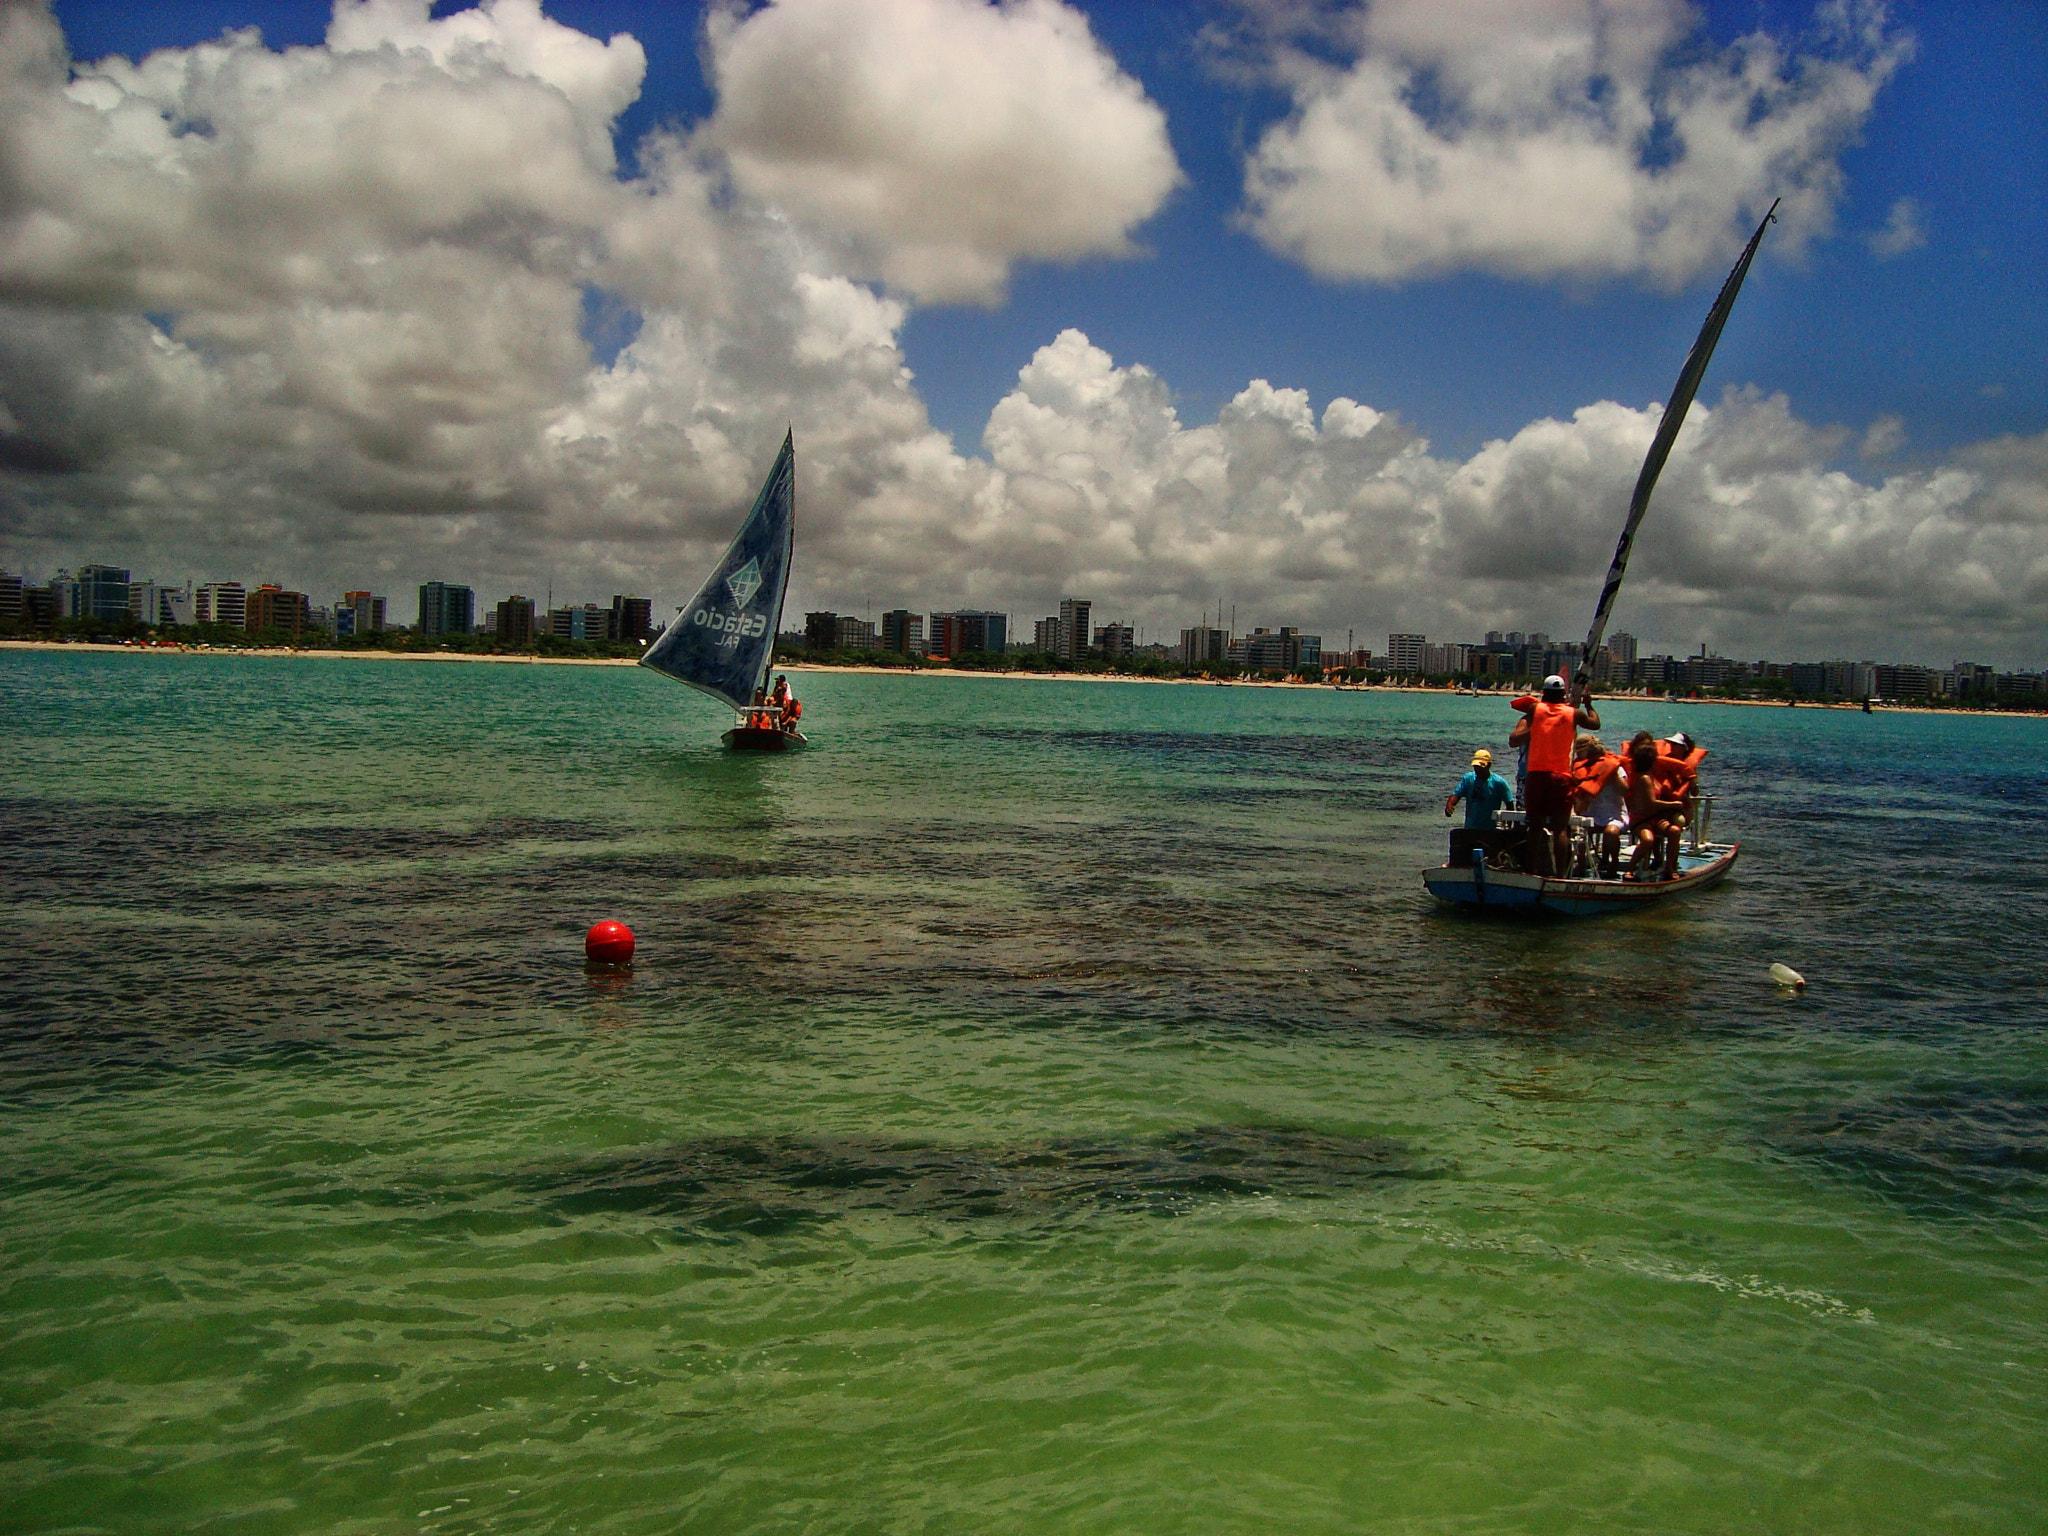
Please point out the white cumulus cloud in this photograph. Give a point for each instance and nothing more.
(1547, 138)
(314, 315)
(939, 141)
(1901, 232)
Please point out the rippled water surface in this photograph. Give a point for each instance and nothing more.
(1039, 1106)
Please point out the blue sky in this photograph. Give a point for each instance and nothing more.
(574, 383)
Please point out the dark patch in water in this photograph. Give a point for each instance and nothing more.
(771, 1185)
(1945, 1145)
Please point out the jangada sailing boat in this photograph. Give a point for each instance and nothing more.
(1480, 883)
(722, 641)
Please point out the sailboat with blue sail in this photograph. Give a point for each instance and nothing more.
(722, 641)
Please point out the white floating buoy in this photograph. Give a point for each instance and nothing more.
(1785, 976)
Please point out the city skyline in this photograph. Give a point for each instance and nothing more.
(1407, 652)
(1163, 335)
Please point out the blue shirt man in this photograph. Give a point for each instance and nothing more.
(1483, 792)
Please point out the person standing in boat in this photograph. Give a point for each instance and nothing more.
(1483, 791)
(1554, 724)
(789, 710)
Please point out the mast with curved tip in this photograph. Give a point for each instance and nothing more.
(1660, 447)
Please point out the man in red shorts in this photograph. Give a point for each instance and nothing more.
(1554, 725)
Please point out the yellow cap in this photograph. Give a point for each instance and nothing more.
(1482, 758)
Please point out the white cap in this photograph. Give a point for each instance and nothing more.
(1553, 681)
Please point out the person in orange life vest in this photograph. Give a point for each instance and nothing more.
(786, 702)
(1597, 792)
(1554, 723)
(1677, 772)
(1656, 816)
(758, 717)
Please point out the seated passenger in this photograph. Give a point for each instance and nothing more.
(1655, 817)
(1677, 775)
(1597, 792)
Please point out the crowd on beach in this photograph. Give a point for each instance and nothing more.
(1646, 795)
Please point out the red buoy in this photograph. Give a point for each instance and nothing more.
(608, 943)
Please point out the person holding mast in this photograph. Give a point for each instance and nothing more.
(1555, 721)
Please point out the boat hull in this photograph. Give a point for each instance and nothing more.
(754, 738)
(1496, 890)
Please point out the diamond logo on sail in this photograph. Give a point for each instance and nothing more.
(745, 582)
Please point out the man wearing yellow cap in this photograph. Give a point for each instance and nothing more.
(1483, 792)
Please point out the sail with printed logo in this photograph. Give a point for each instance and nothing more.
(722, 641)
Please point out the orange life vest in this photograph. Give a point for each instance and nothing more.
(1674, 777)
(1553, 728)
(1590, 775)
(1691, 759)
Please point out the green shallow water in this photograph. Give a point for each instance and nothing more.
(1038, 1106)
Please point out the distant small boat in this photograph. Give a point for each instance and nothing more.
(722, 641)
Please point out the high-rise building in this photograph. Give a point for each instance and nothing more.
(1263, 651)
(967, 631)
(101, 594)
(1074, 631)
(1202, 644)
(359, 613)
(221, 602)
(632, 617)
(1903, 682)
(1045, 636)
(1404, 652)
(275, 607)
(821, 631)
(903, 632)
(1623, 645)
(515, 620)
(851, 634)
(446, 609)
(12, 611)
(1970, 677)
(1116, 640)
(588, 622)
(1286, 651)
(157, 606)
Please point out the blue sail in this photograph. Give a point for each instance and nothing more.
(722, 640)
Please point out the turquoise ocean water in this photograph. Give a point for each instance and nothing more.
(1037, 1107)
